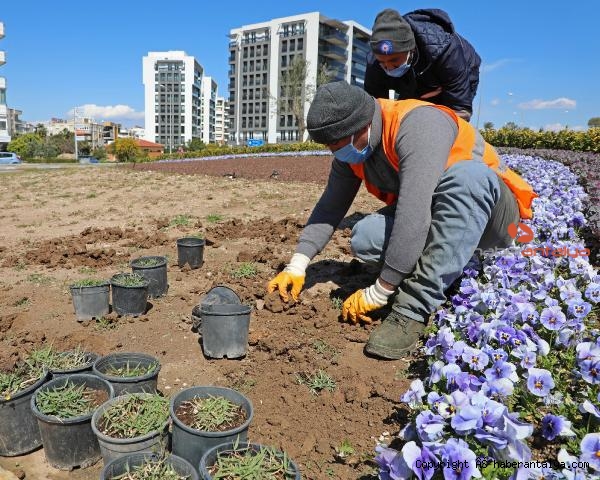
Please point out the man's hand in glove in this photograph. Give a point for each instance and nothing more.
(360, 303)
(292, 278)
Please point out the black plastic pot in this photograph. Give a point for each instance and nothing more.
(225, 330)
(190, 250)
(128, 300)
(210, 457)
(190, 443)
(70, 442)
(155, 274)
(19, 431)
(112, 448)
(122, 385)
(90, 302)
(83, 368)
(122, 465)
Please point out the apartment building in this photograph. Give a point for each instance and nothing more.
(4, 136)
(261, 56)
(221, 121)
(208, 109)
(172, 98)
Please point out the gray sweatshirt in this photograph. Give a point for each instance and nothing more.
(423, 145)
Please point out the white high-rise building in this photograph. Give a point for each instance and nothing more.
(4, 136)
(208, 109)
(261, 53)
(172, 98)
(221, 119)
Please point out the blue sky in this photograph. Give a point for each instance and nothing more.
(540, 58)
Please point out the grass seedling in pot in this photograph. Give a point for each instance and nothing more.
(211, 414)
(252, 464)
(152, 470)
(129, 280)
(148, 262)
(54, 360)
(135, 416)
(19, 379)
(130, 371)
(67, 401)
(88, 282)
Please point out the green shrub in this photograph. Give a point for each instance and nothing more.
(585, 141)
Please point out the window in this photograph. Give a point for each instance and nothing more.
(284, 46)
(284, 61)
(265, 49)
(300, 44)
(292, 44)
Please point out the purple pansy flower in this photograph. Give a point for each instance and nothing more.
(539, 382)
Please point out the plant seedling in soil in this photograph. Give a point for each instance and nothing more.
(324, 349)
(317, 382)
(214, 218)
(245, 270)
(247, 463)
(67, 401)
(129, 280)
(54, 360)
(180, 220)
(148, 262)
(88, 282)
(104, 323)
(345, 449)
(337, 303)
(130, 371)
(19, 379)
(135, 416)
(152, 470)
(211, 414)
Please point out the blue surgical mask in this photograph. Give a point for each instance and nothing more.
(400, 70)
(350, 154)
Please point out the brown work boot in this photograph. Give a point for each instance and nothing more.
(395, 337)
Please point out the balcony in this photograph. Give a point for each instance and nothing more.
(333, 52)
(1, 30)
(2, 57)
(2, 83)
(334, 36)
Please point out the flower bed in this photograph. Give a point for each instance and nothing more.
(513, 386)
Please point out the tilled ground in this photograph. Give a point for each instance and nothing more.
(59, 226)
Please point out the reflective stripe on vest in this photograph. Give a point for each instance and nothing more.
(469, 144)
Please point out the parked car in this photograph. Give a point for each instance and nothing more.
(9, 158)
(88, 159)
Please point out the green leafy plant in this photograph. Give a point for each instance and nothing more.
(19, 379)
(135, 416)
(214, 218)
(148, 262)
(52, 359)
(104, 323)
(248, 463)
(318, 382)
(337, 303)
(180, 220)
(129, 280)
(212, 413)
(245, 270)
(345, 448)
(130, 371)
(158, 469)
(66, 401)
(88, 282)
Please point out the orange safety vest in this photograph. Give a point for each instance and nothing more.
(463, 149)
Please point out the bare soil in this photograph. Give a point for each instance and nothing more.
(60, 226)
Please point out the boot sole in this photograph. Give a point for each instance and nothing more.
(387, 353)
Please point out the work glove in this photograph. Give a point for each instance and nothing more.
(360, 303)
(292, 277)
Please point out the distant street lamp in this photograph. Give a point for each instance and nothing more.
(75, 132)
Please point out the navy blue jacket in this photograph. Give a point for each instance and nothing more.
(444, 59)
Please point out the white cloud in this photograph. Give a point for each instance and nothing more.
(488, 67)
(562, 102)
(555, 127)
(99, 112)
(495, 102)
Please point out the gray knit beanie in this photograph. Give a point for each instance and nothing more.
(338, 111)
(391, 34)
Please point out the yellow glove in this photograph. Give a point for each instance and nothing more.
(283, 281)
(361, 302)
(292, 276)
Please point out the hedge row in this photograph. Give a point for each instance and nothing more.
(584, 141)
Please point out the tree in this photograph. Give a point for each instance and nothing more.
(41, 130)
(26, 145)
(295, 92)
(511, 126)
(194, 145)
(594, 122)
(126, 149)
(488, 126)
